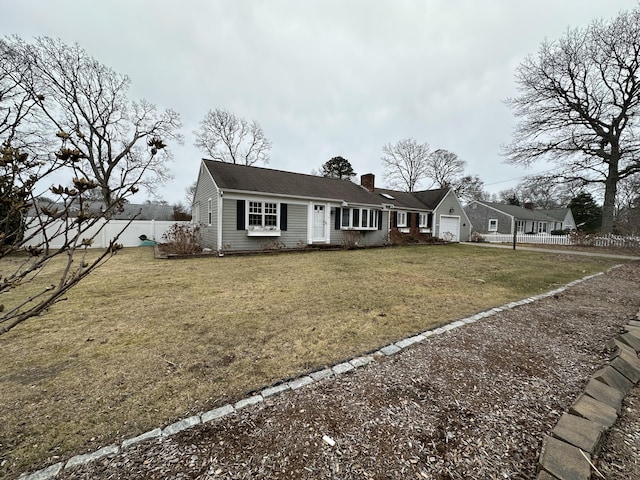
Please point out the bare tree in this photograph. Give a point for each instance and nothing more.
(445, 168)
(405, 163)
(510, 196)
(120, 143)
(190, 192)
(579, 106)
(63, 115)
(227, 138)
(628, 206)
(468, 188)
(546, 191)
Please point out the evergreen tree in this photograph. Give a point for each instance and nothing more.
(338, 167)
(586, 212)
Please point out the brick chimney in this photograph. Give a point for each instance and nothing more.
(529, 205)
(368, 181)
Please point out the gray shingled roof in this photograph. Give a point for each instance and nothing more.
(144, 211)
(518, 212)
(229, 176)
(431, 198)
(401, 199)
(557, 213)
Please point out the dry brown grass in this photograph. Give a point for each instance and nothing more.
(142, 342)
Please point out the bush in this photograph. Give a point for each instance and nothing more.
(182, 239)
(477, 237)
(350, 239)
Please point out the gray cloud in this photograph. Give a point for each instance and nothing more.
(322, 78)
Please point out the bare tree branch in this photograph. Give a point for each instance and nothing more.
(227, 138)
(405, 163)
(579, 104)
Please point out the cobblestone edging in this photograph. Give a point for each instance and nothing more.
(566, 453)
(52, 471)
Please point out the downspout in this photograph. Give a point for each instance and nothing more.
(219, 223)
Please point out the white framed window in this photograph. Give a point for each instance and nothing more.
(520, 226)
(346, 218)
(210, 211)
(263, 215)
(359, 219)
(423, 221)
(542, 227)
(493, 224)
(402, 219)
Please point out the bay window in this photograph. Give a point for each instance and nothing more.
(358, 219)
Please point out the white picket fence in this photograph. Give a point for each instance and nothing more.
(546, 239)
(152, 229)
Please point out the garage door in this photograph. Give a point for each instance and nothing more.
(450, 228)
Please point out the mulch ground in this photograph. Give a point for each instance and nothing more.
(474, 402)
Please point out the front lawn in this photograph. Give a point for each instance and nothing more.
(143, 342)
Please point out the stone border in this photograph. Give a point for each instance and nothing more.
(579, 434)
(52, 471)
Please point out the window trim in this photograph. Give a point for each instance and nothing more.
(210, 211)
(263, 230)
(401, 219)
(494, 222)
(349, 213)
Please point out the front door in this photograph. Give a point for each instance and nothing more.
(319, 224)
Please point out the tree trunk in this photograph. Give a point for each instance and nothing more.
(610, 191)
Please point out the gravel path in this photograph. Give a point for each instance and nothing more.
(474, 402)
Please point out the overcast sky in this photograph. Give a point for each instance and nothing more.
(323, 78)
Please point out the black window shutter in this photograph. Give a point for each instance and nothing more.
(409, 214)
(283, 217)
(240, 215)
(338, 219)
(394, 221)
(379, 219)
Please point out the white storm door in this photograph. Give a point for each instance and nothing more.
(319, 223)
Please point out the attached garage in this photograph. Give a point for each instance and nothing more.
(449, 228)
